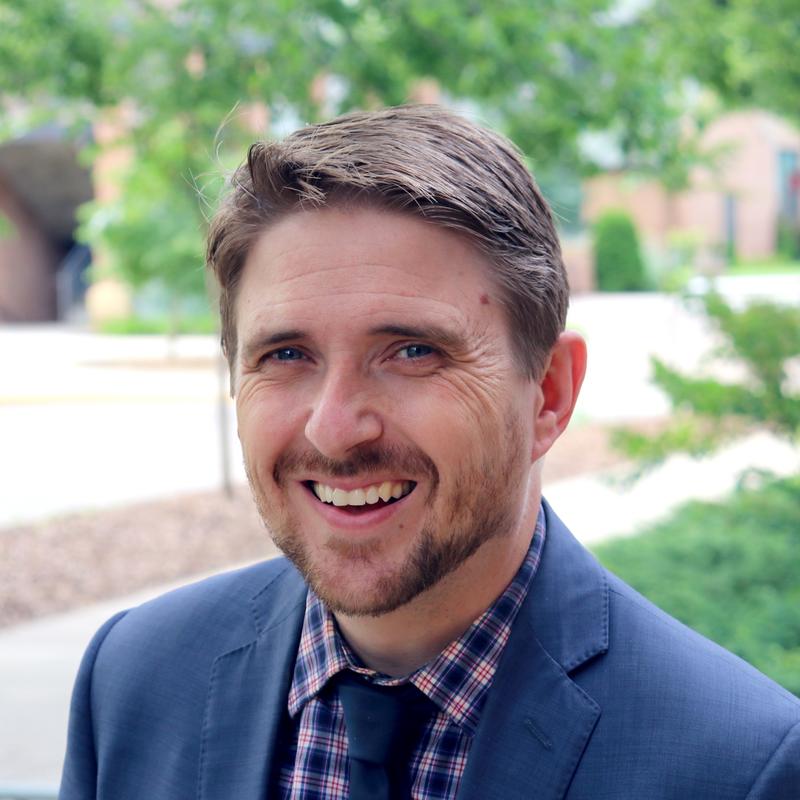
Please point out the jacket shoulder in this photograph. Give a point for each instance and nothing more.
(143, 683)
(677, 698)
(658, 643)
(202, 619)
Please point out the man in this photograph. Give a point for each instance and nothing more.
(393, 303)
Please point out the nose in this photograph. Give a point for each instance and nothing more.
(343, 415)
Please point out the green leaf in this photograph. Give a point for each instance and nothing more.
(728, 570)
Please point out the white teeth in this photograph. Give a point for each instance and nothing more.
(340, 497)
(359, 497)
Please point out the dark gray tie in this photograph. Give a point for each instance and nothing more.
(384, 723)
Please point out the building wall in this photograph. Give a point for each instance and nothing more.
(648, 203)
(27, 266)
(745, 146)
(579, 263)
(751, 174)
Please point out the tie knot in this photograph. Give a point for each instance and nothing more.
(383, 723)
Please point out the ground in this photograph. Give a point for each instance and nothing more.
(72, 560)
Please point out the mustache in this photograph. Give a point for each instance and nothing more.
(363, 461)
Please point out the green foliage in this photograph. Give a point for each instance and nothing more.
(686, 434)
(728, 570)
(763, 339)
(55, 45)
(788, 239)
(745, 50)
(190, 70)
(154, 229)
(776, 265)
(6, 227)
(546, 73)
(619, 266)
(160, 325)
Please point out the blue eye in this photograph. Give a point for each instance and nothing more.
(286, 354)
(416, 351)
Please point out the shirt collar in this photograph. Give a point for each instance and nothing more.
(457, 680)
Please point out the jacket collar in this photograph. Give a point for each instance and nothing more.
(246, 704)
(537, 721)
(568, 602)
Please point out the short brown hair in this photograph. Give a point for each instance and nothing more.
(423, 160)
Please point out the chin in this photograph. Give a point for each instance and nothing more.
(351, 580)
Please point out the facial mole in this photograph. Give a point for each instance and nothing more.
(484, 299)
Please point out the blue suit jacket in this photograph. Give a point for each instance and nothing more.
(599, 695)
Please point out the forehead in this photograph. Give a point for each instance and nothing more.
(336, 266)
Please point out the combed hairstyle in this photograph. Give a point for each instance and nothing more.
(422, 160)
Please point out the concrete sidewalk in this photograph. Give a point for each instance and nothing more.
(38, 663)
(38, 660)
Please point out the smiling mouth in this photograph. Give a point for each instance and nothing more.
(365, 498)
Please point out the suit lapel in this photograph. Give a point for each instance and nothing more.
(537, 721)
(529, 742)
(247, 697)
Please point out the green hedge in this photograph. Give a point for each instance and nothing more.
(618, 262)
(730, 570)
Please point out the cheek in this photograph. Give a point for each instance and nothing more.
(448, 426)
(475, 402)
(265, 426)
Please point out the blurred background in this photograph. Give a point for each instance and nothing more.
(665, 136)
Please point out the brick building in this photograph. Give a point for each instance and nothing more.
(736, 208)
(42, 269)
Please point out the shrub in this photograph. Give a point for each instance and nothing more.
(729, 570)
(788, 239)
(763, 340)
(619, 266)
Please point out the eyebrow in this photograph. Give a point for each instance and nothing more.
(262, 342)
(430, 333)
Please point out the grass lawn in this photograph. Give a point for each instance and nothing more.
(730, 570)
(771, 266)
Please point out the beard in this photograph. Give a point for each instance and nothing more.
(477, 506)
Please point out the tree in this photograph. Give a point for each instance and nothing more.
(192, 70)
(548, 73)
(745, 50)
(55, 48)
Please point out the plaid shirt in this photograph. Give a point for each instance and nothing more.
(315, 765)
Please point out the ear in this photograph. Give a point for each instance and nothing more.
(559, 386)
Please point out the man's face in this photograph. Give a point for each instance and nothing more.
(387, 432)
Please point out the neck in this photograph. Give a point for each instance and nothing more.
(405, 639)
